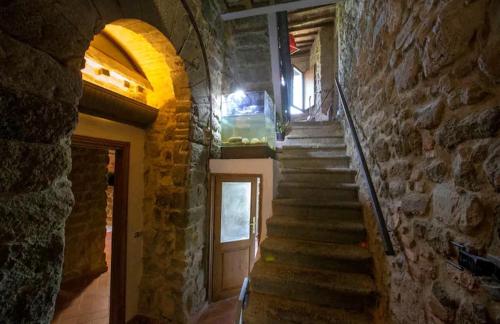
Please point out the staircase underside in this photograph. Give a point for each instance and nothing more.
(314, 265)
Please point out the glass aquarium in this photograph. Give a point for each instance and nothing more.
(248, 119)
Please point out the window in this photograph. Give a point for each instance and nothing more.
(297, 92)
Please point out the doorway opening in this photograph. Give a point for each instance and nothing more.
(235, 231)
(297, 106)
(93, 282)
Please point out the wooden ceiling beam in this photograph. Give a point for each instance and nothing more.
(301, 33)
(315, 24)
(309, 23)
(293, 18)
(313, 12)
(266, 10)
(299, 39)
(304, 45)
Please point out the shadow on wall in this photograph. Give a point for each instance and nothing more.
(424, 88)
(40, 85)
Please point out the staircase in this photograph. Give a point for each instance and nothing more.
(313, 268)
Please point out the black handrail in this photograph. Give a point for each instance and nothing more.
(242, 301)
(382, 226)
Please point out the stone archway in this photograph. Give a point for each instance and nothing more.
(40, 86)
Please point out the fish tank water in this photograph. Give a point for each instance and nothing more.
(248, 119)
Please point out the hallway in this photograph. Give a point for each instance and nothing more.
(86, 301)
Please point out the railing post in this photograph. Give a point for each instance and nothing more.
(382, 226)
(242, 300)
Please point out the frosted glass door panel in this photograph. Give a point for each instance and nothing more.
(235, 211)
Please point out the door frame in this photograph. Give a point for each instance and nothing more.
(211, 202)
(117, 303)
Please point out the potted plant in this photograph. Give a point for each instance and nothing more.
(282, 129)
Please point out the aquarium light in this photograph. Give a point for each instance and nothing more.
(239, 94)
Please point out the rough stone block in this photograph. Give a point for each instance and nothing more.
(415, 204)
(492, 168)
(25, 118)
(70, 33)
(409, 141)
(25, 69)
(429, 117)
(450, 37)
(479, 125)
(381, 150)
(470, 213)
(436, 170)
(444, 202)
(488, 59)
(32, 252)
(406, 74)
(464, 172)
(44, 163)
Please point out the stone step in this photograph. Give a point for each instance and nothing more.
(318, 255)
(316, 131)
(321, 287)
(310, 146)
(312, 151)
(316, 162)
(328, 230)
(294, 140)
(334, 191)
(269, 309)
(315, 175)
(317, 209)
(315, 124)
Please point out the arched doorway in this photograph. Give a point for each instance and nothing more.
(41, 85)
(129, 95)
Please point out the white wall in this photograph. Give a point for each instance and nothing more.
(107, 129)
(264, 167)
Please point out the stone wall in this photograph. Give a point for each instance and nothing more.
(249, 56)
(85, 228)
(40, 85)
(423, 82)
(323, 55)
(174, 284)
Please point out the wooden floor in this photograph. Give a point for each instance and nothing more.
(87, 301)
(222, 312)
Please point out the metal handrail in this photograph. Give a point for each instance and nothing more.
(242, 301)
(382, 226)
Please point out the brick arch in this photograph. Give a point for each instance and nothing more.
(156, 56)
(40, 86)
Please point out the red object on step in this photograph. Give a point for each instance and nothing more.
(293, 44)
(364, 244)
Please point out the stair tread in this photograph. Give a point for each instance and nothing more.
(312, 124)
(317, 249)
(317, 170)
(313, 146)
(291, 136)
(354, 225)
(317, 203)
(318, 185)
(270, 309)
(297, 157)
(342, 282)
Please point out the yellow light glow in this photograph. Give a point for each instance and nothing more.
(103, 75)
(155, 53)
(135, 60)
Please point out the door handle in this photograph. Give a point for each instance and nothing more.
(252, 225)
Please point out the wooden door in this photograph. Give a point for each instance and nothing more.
(235, 232)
